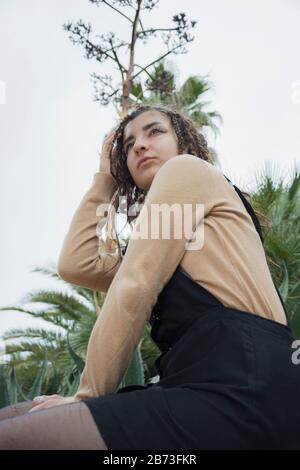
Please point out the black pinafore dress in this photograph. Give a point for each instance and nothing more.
(227, 378)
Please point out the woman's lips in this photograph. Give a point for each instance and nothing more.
(146, 161)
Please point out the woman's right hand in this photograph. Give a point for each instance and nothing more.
(48, 401)
(106, 147)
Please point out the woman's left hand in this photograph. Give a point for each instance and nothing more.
(48, 401)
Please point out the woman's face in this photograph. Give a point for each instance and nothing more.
(150, 134)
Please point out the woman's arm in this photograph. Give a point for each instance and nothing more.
(147, 266)
(79, 260)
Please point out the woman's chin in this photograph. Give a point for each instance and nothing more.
(146, 181)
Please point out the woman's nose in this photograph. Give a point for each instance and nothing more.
(140, 144)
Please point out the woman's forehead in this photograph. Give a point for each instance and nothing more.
(144, 119)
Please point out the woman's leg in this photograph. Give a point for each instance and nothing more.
(15, 410)
(63, 427)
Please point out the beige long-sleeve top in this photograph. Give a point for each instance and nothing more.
(231, 263)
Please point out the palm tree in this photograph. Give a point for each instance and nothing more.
(279, 204)
(73, 315)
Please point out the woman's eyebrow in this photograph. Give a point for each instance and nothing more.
(145, 128)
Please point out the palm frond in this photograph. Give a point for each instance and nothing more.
(67, 304)
(36, 333)
(50, 271)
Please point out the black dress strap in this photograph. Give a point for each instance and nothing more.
(255, 220)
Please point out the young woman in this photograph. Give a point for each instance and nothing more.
(226, 375)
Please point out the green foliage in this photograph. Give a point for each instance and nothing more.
(279, 203)
(135, 371)
(10, 390)
(37, 384)
(74, 314)
(188, 98)
(5, 396)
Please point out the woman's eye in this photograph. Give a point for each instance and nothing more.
(152, 131)
(128, 147)
(155, 129)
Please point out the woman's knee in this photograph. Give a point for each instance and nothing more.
(17, 409)
(65, 427)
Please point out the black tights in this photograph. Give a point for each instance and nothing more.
(63, 427)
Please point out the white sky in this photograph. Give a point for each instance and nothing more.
(50, 128)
